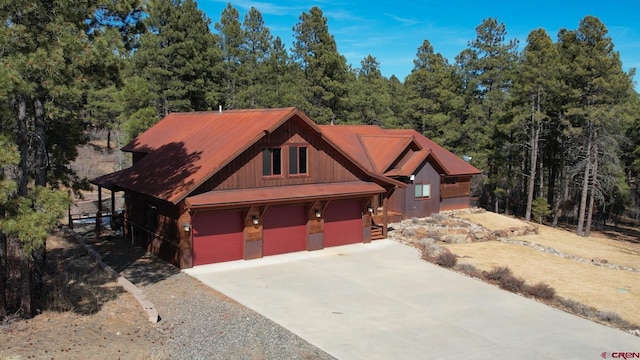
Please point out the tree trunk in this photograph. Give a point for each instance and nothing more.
(585, 185)
(532, 175)
(17, 288)
(532, 164)
(540, 157)
(41, 143)
(22, 179)
(3, 275)
(540, 170)
(594, 176)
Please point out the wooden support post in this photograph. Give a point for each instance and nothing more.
(70, 218)
(385, 217)
(99, 213)
(113, 204)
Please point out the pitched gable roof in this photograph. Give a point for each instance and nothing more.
(452, 164)
(378, 149)
(185, 149)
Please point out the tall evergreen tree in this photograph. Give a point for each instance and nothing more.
(325, 71)
(598, 104)
(178, 58)
(369, 100)
(234, 53)
(53, 52)
(487, 79)
(398, 94)
(284, 79)
(535, 85)
(434, 98)
(257, 46)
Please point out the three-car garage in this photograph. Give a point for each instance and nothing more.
(219, 236)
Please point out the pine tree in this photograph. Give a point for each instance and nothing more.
(486, 77)
(232, 42)
(369, 100)
(434, 98)
(53, 53)
(597, 105)
(535, 85)
(178, 58)
(325, 71)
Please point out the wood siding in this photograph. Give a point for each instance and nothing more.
(154, 225)
(461, 188)
(325, 165)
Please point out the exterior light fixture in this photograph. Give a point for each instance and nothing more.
(186, 227)
(318, 214)
(255, 220)
(370, 209)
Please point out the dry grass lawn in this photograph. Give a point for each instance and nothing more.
(601, 287)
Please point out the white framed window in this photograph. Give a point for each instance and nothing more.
(423, 191)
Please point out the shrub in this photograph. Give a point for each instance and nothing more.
(611, 317)
(447, 259)
(541, 291)
(511, 283)
(540, 208)
(429, 249)
(408, 232)
(469, 270)
(497, 273)
(578, 308)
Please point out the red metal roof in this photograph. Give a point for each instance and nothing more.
(376, 149)
(282, 194)
(410, 165)
(185, 149)
(383, 150)
(450, 162)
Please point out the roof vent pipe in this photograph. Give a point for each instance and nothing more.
(219, 109)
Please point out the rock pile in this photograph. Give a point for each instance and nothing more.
(446, 227)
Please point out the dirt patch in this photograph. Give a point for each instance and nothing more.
(86, 314)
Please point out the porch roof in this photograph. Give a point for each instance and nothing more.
(282, 194)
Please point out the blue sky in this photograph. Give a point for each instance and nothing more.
(392, 31)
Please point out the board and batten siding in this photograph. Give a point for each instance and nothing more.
(325, 164)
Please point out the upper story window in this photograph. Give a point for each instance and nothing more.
(423, 191)
(298, 160)
(450, 180)
(272, 161)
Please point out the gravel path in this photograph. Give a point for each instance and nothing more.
(197, 321)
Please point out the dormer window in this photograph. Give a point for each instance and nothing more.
(298, 160)
(272, 161)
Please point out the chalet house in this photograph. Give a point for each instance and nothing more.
(209, 187)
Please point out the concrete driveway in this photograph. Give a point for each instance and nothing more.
(381, 301)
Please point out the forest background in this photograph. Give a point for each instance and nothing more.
(554, 127)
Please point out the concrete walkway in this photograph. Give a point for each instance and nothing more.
(381, 301)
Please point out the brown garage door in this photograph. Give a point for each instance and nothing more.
(285, 230)
(342, 223)
(217, 237)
